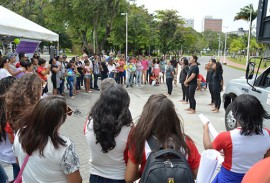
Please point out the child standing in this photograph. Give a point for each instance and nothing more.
(70, 79)
(88, 73)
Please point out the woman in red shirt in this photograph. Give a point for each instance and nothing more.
(160, 120)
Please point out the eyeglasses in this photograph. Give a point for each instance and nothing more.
(69, 111)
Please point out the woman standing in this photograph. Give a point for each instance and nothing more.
(24, 92)
(42, 72)
(111, 68)
(145, 68)
(106, 133)
(6, 134)
(209, 79)
(191, 82)
(162, 66)
(246, 144)
(169, 77)
(52, 156)
(158, 121)
(54, 69)
(217, 85)
(182, 78)
(139, 70)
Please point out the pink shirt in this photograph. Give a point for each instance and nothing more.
(145, 64)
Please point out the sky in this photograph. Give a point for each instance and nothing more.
(198, 9)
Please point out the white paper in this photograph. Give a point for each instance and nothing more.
(212, 129)
(210, 160)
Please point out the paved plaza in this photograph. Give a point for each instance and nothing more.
(81, 105)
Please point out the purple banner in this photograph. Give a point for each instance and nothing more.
(27, 47)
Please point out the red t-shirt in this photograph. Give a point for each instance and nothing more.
(193, 158)
(201, 78)
(39, 70)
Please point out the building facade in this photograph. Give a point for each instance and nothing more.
(209, 23)
(189, 23)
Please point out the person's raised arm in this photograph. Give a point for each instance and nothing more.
(206, 137)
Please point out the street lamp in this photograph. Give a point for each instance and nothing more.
(126, 34)
(219, 46)
(225, 44)
(249, 34)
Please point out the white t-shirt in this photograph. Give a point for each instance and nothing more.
(4, 73)
(6, 152)
(109, 165)
(111, 68)
(53, 167)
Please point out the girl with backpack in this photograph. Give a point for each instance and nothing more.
(158, 121)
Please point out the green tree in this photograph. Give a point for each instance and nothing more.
(168, 22)
(236, 46)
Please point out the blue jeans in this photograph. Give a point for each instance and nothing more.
(61, 87)
(3, 175)
(71, 85)
(98, 179)
(16, 170)
(139, 77)
(130, 78)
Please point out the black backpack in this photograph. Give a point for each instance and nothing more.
(166, 166)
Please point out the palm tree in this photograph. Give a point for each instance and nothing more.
(244, 14)
(248, 14)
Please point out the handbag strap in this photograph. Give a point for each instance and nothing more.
(23, 165)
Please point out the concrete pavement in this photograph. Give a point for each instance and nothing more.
(73, 127)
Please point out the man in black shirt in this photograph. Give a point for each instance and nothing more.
(191, 82)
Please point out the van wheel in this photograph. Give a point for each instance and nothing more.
(230, 121)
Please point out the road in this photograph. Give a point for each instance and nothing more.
(73, 127)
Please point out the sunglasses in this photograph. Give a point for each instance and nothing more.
(69, 111)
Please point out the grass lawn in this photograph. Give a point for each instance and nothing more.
(242, 60)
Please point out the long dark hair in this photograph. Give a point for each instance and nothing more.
(219, 68)
(40, 123)
(5, 83)
(110, 113)
(249, 113)
(158, 118)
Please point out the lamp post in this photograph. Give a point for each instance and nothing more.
(126, 34)
(218, 46)
(224, 58)
(225, 45)
(249, 34)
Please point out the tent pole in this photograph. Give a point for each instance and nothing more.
(58, 51)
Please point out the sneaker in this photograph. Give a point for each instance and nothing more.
(131, 85)
(137, 85)
(127, 86)
(72, 97)
(97, 89)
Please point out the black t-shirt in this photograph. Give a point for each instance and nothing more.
(79, 67)
(53, 66)
(183, 74)
(174, 63)
(193, 69)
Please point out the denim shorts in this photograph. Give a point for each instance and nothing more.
(87, 76)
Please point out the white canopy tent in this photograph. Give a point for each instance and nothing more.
(12, 24)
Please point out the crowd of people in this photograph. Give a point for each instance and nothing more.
(118, 145)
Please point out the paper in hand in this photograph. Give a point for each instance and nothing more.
(212, 129)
